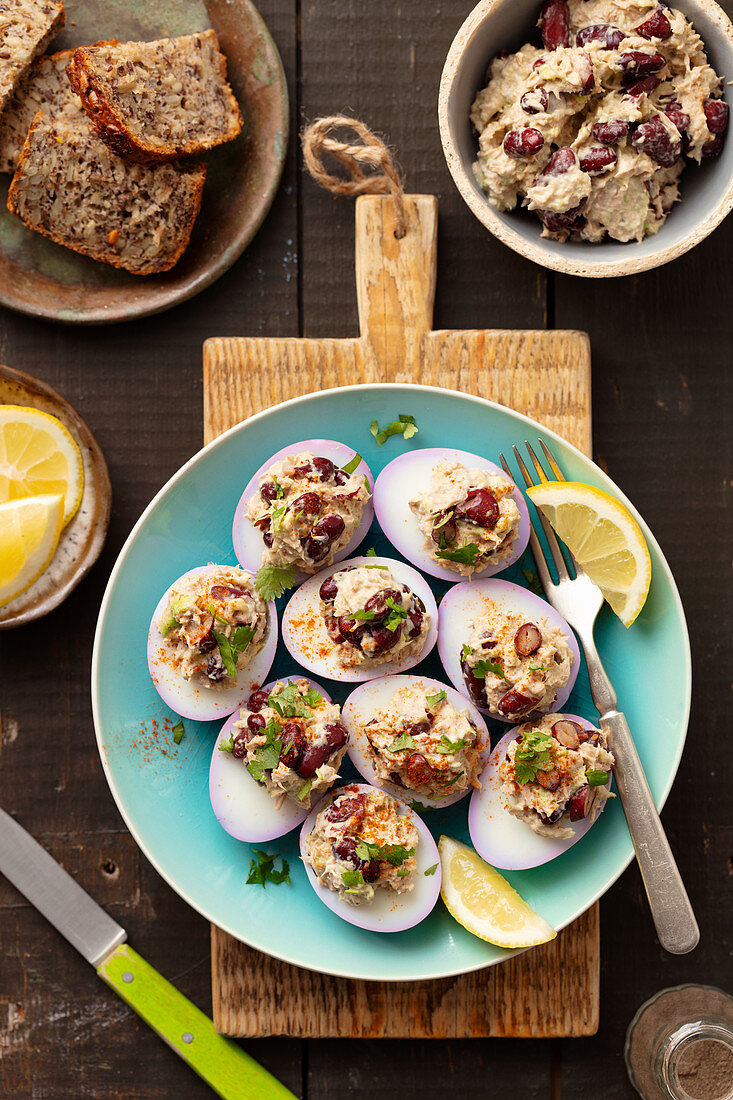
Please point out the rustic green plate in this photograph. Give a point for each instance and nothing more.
(46, 280)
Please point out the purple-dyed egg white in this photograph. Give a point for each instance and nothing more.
(502, 839)
(304, 630)
(470, 601)
(375, 695)
(242, 806)
(387, 911)
(411, 473)
(185, 697)
(247, 539)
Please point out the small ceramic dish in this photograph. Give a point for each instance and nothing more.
(707, 190)
(82, 539)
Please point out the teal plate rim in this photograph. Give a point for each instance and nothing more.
(438, 947)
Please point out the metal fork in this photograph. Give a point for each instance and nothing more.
(579, 600)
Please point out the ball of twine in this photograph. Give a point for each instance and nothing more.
(370, 151)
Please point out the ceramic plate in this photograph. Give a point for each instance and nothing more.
(47, 280)
(162, 789)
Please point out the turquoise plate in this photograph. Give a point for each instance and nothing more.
(162, 789)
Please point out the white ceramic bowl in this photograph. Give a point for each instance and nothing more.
(707, 190)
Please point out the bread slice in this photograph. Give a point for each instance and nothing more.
(26, 28)
(157, 101)
(69, 186)
(45, 87)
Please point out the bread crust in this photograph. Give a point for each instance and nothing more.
(115, 259)
(110, 123)
(55, 26)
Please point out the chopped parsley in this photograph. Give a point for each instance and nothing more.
(262, 870)
(371, 552)
(216, 615)
(396, 854)
(484, 665)
(352, 878)
(230, 648)
(450, 782)
(271, 581)
(396, 615)
(352, 464)
(403, 872)
(466, 651)
(267, 756)
(227, 745)
(305, 790)
(533, 754)
(404, 426)
(464, 555)
(431, 870)
(538, 668)
(433, 700)
(278, 489)
(596, 778)
(289, 703)
(178, 732)
(446, 516)
(362, 615)
(402, 743)
(448, 746)
(278, 515)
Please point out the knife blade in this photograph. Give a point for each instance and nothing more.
(229, 1071)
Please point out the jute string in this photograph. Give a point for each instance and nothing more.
(369, 151)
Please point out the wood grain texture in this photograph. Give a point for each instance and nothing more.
(545, 375)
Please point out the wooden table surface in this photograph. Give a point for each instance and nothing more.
(661, 349)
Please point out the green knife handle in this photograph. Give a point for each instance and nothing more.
(223, 1065)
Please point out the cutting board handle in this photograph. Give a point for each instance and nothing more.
(395, 279)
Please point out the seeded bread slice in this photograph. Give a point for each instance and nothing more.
(45, 87)
(70, 187)
(157, 101)
(26, 28)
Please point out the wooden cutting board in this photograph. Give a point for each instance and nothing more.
(551, 990)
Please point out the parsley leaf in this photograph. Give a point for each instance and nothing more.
(538, 668)
(403, 872)
(305, 790)
(466, 651)
(352, 464)
(262, 870)
(465, 555)
(431, 870)
(278, 489)
(447, 746)
(352, 878)
(396, 854)
(230, 648)
(371, 552)
(404, 426)
(596, 778)
(396, 615)
(533, 754)
(178, 731)
(272, 581)
(216, 615)
(487, 665)
(278, 515)
(227, 745)
(403, 743)
(361, 614)
(267, 756)
(433, 700)
(289, 703)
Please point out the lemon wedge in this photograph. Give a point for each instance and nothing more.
(38, 457)
(29, 535)
(604, 539)
(482, 901)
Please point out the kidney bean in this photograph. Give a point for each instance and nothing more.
(385, 639)
(535, 101)
(712, 148)
(523, 143)
(514, 702)
(674, 111)
(268, 492)
(597, 160)
(587, 74)
(611, 132)
(215, 668)
(314, 755)
(656, 26)
(239, 745)
(570, 219)
(340, 477)
(610, 35)
(255, 723)
(325, 467)
(646, 85)
(303, 471)
(476, 688)
(551, 819)
(579, 804)
(422, 726)
(258, 699)
(716, 114)
(307, 503)
(263, 524)
(444, 531)
(655, 140)
(331, 525)
(195, 635)
(555, 24)
(227, 592)
(550, 781)
(292, 735)
(345, 849)
(567, 733)
(418, 770)
(527, 639)
(377, 603)
(334, 631)
(328, 590)
(341, 809)
(480, 506)
(268, 539)
(635, 64)
(415, 619)
(561, 161)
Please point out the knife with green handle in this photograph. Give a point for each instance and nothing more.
(230, 1072)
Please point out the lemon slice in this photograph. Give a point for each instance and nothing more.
(29, 535)
(604, 539)
(484, 902)
(38, 457)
